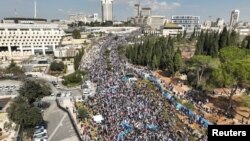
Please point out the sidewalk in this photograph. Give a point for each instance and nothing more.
(70, 104)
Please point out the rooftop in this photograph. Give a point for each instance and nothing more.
(25, 19)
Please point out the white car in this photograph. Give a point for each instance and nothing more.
(40, 131)
(39, 127)
(37, 139)
(41, 136)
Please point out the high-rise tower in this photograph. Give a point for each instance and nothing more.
(107, 10)
(235, 14)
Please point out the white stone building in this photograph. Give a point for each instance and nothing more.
(171, 29)
(107, 10)
(156, 22)
(189, 22)
(19, 40)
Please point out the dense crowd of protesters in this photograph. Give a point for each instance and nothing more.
(131, 112)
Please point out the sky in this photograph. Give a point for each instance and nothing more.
(60, 9)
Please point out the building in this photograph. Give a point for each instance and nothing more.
(220, 22)
(156, 22)
(145, 11)
(80, 17)
(171, 29)
(16, 20)
(65, 52)
(235, 14)
(77, 17)
(137, 10)
(22, 40)
(243, 31)
(107, 10)
(92, 18)
(214, 26)
(189, 22)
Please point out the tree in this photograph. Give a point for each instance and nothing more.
(57, 66)
(192, 35)
(78, 58)
(200, 44)
(201, 63)
(214, 46)
(74, 78)
(184, 34)
(14, 69)
(233, 71)
(34, 91)
(90, 36)
(246, 43)
(177, 60)
(22, 113)
(76, 34)
(82, 113)
(234, 38)
(154, 62)
(223, 38)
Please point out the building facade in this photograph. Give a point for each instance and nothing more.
(171, 29)
(28, 39)
(156, 22)
(235, 14)
(189, 22)
(107, 10)
(80, 17)
(65, 52)
(145, 11)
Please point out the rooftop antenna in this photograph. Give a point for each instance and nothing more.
(35, 9)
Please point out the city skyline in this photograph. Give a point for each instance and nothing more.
(60, 9)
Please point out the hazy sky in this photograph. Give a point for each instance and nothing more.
(124, 8)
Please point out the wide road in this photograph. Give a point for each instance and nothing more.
(59, 125)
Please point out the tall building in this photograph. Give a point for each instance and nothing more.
(21, 39)
(107, 10)
(189, 22)
(235, 14)
(145, 11)
(156, 22)
(137, 9)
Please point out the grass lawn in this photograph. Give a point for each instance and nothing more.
(73, 84)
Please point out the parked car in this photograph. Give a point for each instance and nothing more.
(41, 136)
(37, 139)
(40, 131)
(39, 127)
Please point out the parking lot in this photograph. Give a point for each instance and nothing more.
(9, 87)
(59, 125)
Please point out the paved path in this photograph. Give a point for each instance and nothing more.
(59, 125)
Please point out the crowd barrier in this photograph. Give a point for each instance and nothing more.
(168, 95)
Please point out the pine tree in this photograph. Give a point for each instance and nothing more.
(192, 35)
(177, 60)
(154, 62)
(199, 45)
(184, 34)
(223, 38)
(206, 44)
(234, 38)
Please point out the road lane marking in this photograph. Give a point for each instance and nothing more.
(58, 126)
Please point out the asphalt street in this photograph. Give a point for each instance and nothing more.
(59, 125)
